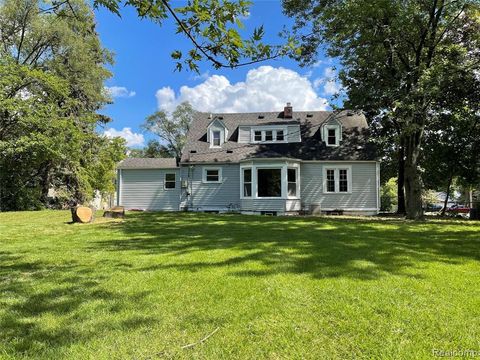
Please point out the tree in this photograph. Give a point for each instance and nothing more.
(52, 70)
(154, 149)
(394, 54)
(212, 26)
(171, 128)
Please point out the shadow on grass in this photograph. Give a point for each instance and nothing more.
(47, 306)
(320, 247)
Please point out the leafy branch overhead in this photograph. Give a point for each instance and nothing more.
(213, 27)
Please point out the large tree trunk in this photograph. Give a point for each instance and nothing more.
(413, 183)
(401, 180)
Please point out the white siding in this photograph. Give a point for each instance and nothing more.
(143, 189)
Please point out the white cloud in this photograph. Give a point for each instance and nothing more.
(265, 89)
(132, 138)
(329, 82)
(119, 91)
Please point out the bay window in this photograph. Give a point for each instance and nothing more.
(292, 182)
(269, 182)
(247, 182)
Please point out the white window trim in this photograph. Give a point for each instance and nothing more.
(283, 166)
(274, 130)
(337, 179)
(165, 181)
(204, 175)
(283, 175)
(242, 182)
(211, 137)
(297, 182)
(337, 134)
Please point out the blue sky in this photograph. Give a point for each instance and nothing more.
(144, 79)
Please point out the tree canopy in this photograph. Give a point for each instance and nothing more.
(171, 128)
(52, 71)
(402, 62)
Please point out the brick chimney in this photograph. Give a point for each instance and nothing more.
(288, 111)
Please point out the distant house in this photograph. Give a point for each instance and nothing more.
(267, 163)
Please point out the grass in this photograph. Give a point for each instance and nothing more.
(276, 288)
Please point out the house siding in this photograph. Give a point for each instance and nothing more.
(244, 134)
(211, 196)
(144, 189)
(364, 194)
(293, 134)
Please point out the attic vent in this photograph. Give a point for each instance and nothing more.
(350, 113)
(193, 151)
(229, 152)
(220, 117)
(309, 115)
(261, 117)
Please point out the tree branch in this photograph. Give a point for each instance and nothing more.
(203, 50)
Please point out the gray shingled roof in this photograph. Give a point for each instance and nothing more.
(147, 163)
(354, 144)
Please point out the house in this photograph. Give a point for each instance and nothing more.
(267, 163)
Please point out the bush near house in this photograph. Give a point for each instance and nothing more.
(274, 287)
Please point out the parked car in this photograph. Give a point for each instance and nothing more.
(459, 209)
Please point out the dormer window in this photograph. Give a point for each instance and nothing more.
(332, 135)
(217, 133)
(268, 135)
(216, 138)
(280, 136)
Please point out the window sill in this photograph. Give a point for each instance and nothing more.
(212, 182)
(336, 192)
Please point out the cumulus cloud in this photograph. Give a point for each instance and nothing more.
(265, 88)
(133, 139)
(119, 91)
(329, 82)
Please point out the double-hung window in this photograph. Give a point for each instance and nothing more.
(342, 180)
(330, 180)
(169, 181)
(332, 137)
(337, 180)
(258, 135)
(269, 135)
(247, 182)
(212, 175)
(292, 182)
(280, 136)
(216, 138)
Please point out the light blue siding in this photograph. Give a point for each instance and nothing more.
(144, 189)
(211, 196)
(364, 187)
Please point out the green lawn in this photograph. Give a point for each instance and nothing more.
(274, 287)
